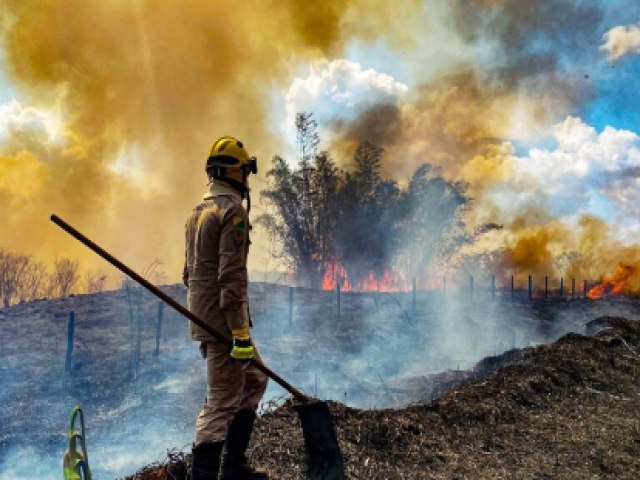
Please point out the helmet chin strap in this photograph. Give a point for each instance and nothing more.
(240, 187)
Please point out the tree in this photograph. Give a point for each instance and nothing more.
(155, 273)
(307, 136)
(326, 181)
(64, 277)
(326, 217)
(296, 221)
(303, 199)
(94, 281)
(12, 272)
(34, 281)
(367, 234)
(435, 228)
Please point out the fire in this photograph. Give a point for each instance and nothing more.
(335, 274)
(621, 282)
(387, 281)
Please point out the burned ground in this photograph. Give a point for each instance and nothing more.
(381, 352)
(566, 410)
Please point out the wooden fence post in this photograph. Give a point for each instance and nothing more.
(585, 288)
(546, 286)
(138, 350)
(159, 327)
(471, 286)
(513, 290)
(338, 300)
(530, 288)
(573, 287)
(414, 297)
(71, 326)
(290, 307)
(493, 287)
(562, 287)
(266, 304)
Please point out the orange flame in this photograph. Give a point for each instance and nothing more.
(335, 274)
(387, 281)
(620, 283)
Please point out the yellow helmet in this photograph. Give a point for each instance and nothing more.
(228, 152)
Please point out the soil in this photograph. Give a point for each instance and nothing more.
(570, 409)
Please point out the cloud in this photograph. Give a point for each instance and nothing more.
(581, 152)
(570, 209)
(20, 123)
(339, 91)
(587, 172)
(621, 41)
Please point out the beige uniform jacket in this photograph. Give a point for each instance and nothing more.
(215, 271)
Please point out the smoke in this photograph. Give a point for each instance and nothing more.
(138, 91)
(525, 78)
(526, 42)
(121, 408)
(512, 90)
(119, 103)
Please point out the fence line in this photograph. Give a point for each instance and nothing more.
(495, 292)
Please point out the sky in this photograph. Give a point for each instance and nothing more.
(108, 110)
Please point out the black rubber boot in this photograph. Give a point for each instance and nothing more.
(205, 461)
(235, 465)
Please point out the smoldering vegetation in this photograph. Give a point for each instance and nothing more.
(565, 410)
(383, 350)
(379, 352)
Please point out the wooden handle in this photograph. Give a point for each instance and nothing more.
(170, 301)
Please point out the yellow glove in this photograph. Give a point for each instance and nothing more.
(242, 346)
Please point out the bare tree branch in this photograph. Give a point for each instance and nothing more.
(65, 277)
(94, 281)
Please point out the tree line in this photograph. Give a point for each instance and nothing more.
(23, 278)
(323, 215)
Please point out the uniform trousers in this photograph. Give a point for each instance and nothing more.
(229, 388)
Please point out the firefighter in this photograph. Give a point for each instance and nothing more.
(215, 272)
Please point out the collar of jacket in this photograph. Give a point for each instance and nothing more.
(219, 188)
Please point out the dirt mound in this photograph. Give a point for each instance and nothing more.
(566, 410)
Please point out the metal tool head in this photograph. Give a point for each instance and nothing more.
(324, 459)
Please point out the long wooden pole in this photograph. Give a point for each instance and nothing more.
(170, 301)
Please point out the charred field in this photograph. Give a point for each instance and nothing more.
(566, 410)
(443, 387)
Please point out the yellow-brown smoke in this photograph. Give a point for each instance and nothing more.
(586, 251)
(142, 88)
(462, 121)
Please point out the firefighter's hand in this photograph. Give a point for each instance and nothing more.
(242, 346)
